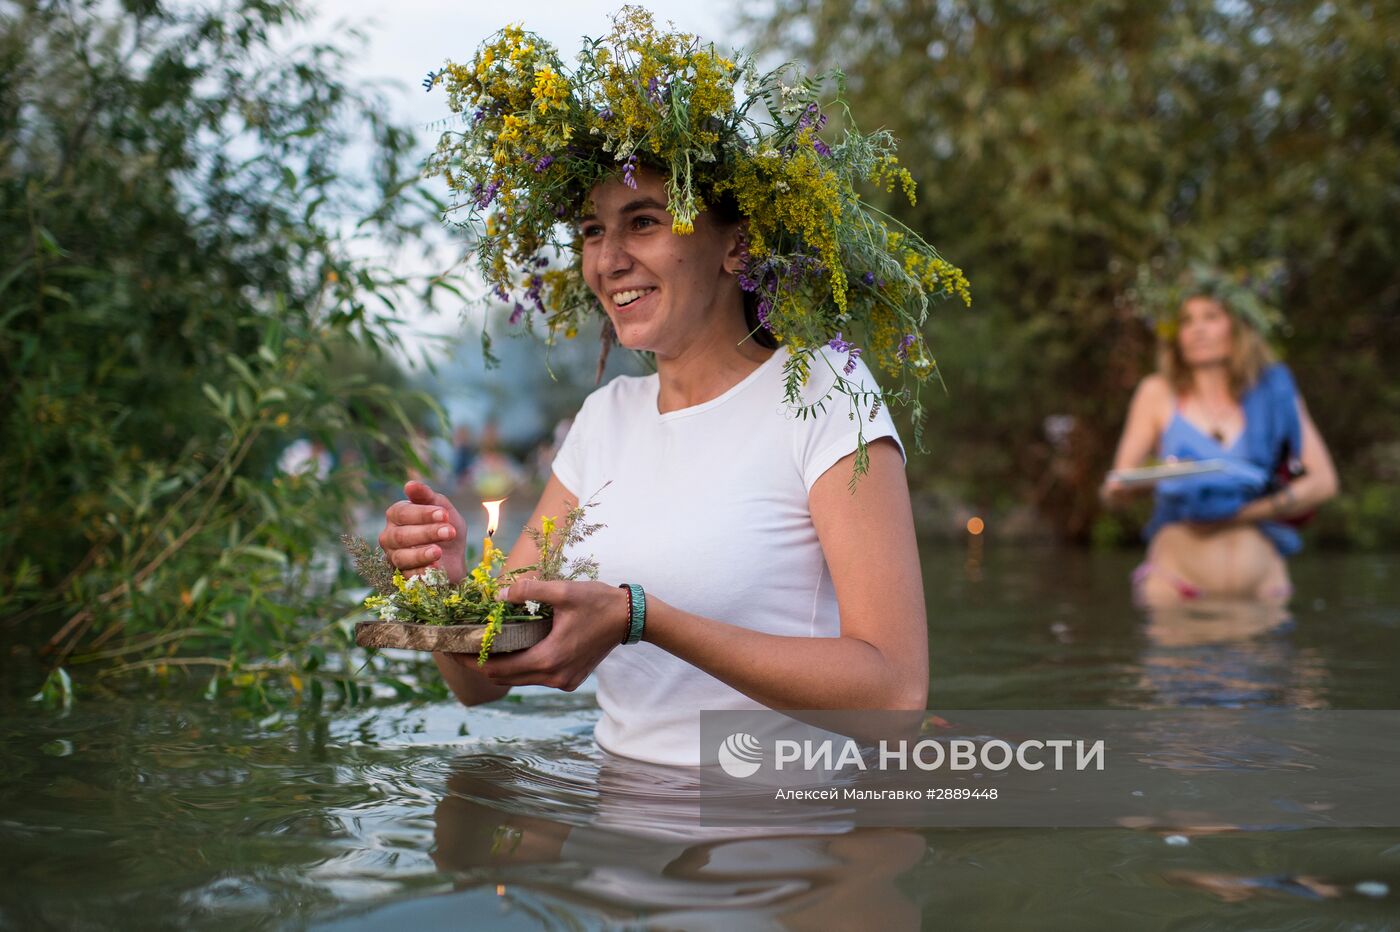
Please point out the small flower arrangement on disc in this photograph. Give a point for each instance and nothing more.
(428, 612)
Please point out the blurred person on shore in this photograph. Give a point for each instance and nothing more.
(494, 473)
(463, 455)
(541, 459)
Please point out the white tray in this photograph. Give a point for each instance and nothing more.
(1151, 475)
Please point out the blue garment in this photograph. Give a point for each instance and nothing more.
(462, 459)
(1272, 434)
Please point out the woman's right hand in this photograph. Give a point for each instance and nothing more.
(424, 531)
(1113, 492)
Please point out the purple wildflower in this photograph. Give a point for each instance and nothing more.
(484, 196)
(844, 346)
(516, 314)
(840, 345)
(543, 163)
(812, 115)
(814, 118)
(904, 345)
(654, 91)
(541, 261)
(629, 168)
(851, 360)
(868, 278)
(801, 264)
(478, 115)
(605, 114)
(764, 306)
(747, 282)
(430, 80)
(533, 293)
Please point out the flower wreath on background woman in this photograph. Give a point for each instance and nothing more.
(824, 268)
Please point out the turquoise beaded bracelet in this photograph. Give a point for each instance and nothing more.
(637, 604)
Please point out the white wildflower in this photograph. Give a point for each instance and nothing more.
(435, 576)
(532, 606)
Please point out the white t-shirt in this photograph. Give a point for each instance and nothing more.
(708, 511)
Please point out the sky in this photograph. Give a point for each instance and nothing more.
(409, 38)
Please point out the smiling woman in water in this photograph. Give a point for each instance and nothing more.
(741, 563)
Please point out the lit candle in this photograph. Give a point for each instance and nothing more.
(493, 517)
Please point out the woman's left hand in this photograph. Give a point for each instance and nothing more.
(590, 619)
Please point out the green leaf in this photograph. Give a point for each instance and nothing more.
(400, 688)
(47, 242)
(241, 367)
(264, 553)
(57, 690)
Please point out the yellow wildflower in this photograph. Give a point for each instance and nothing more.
(549, 89)
(487, 57)
(513, 125)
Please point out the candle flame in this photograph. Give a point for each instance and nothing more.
(493, 515)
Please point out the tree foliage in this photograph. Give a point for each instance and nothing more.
(1062, 145)
(185, 202)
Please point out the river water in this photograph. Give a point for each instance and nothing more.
(152, 813)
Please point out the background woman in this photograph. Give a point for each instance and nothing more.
(1219, 394)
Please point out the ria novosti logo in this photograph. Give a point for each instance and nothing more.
(740, 755)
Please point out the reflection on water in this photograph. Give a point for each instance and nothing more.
(1229, 655)
(641, 851)
(177, 812)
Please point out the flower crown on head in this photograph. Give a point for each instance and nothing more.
(1248, 292)
(824, 267)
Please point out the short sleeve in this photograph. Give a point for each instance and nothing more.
(823, 440)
